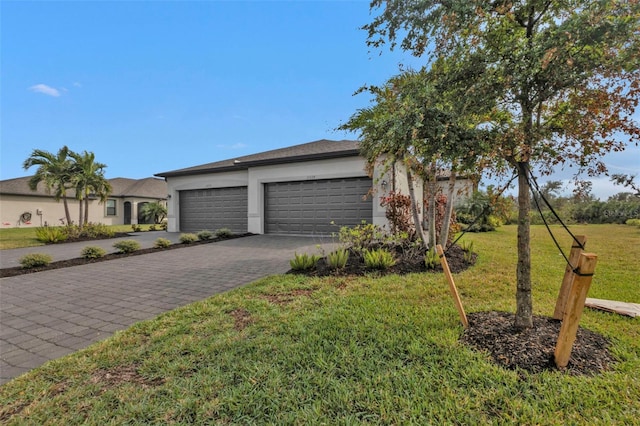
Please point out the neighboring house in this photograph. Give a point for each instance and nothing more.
(308, 189)
(20, 206)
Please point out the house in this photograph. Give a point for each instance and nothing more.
(20, 206)
(308, 189)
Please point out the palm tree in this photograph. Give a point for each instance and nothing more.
(88, 178)
(154, 211)
(54, 170)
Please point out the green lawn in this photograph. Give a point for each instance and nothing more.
(296, 350)
(11, 238)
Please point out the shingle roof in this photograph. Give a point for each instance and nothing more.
(122, 187)
(317, 150)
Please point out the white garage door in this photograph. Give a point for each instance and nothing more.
(309, 207)
(214, 208)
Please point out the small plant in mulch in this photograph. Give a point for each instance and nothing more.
(205, 235)
(35, 260)
(379, 259)
(387, 253)
(161, 243)
(127, 246)
(188, 238)
(303, 262)
(338, 259)
(223, 233)
(93, 252)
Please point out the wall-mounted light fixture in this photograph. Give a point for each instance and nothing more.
(384, 184)
(168, 196)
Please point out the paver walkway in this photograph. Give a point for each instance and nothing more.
(49, 314)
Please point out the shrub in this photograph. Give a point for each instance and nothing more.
(338, 259)
(93, 252)
(96, 230)
(224, 233)
(361, 237)
(398, 212)
(162, 243)
(188, 238)
(303, 262)
(127, 246)
(205, 235)
(633, 222)
(152, 228)
(35, 260)
(50, 234)
(378, 259)
(431, 259)
(136, 227)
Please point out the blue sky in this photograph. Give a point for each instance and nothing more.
(152, 86)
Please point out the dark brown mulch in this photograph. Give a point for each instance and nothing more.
(533, 350)
(406, 264)
(18, 270)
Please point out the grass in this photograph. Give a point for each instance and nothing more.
(295, 350)
(11, 238)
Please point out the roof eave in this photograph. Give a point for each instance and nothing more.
(268, 162)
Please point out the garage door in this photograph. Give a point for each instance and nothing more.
(213, 209)
(309, 207)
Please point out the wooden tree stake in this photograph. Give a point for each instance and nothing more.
(574, 257)
(573, 310)
(452, 286)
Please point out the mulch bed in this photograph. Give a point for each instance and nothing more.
(18, 270)
(405, 265)
(532, 350)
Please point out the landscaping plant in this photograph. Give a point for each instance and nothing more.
(162, 243)
(303, 262)
(127, 246)
(93, 252)
(34, 260)
(188, 238)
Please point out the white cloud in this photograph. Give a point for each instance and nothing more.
(76, 84)
(45, 90)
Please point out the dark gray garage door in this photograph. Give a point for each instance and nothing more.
(309, 207)
(213, 209)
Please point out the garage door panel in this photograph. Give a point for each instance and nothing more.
(213, 209)
(309, 207)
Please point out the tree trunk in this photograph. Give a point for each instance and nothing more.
(86, 209)
(67, 214)
(431, 209)
(414, 209)
(446, 222)
(524, 305)
(80, 211)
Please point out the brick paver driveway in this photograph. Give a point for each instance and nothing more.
(49, 314)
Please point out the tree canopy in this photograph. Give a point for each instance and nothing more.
(69, 170)
(561, 78)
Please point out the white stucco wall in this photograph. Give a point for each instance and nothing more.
(256, 177)
(12, 206)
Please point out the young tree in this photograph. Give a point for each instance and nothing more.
(564, 76)
(407, 123)
(54, 170)
(154, 211)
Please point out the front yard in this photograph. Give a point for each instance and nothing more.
(291, 349)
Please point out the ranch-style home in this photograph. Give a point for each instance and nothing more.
(20, 206)
(308, 189)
